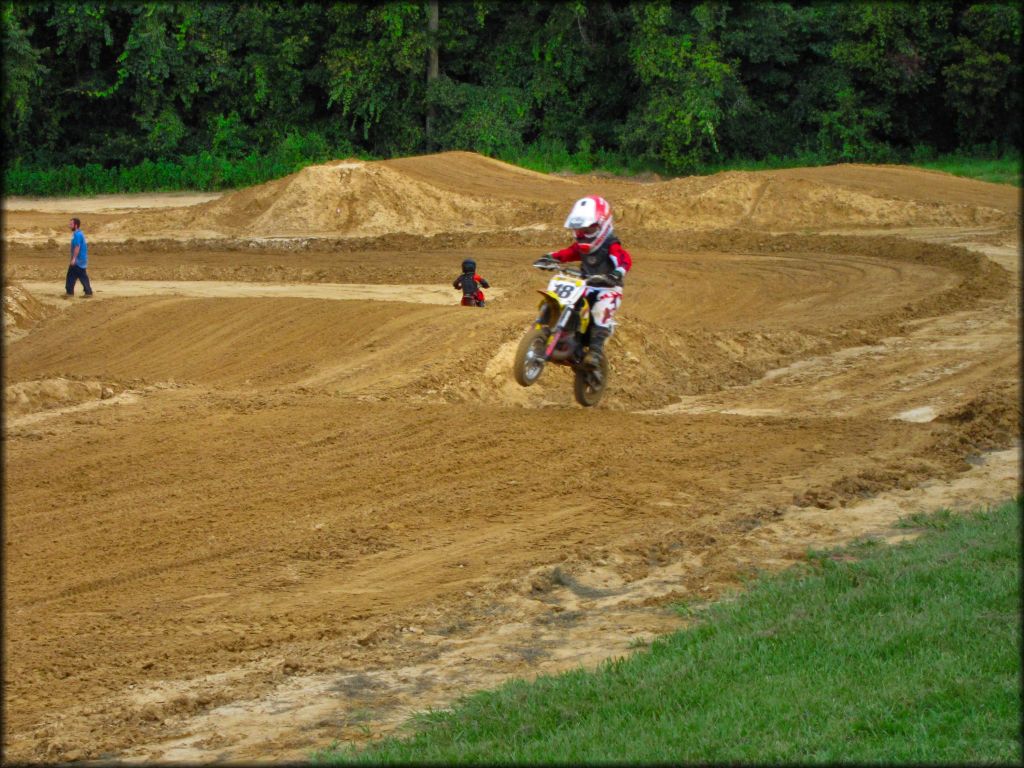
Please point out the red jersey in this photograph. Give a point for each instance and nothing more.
(610, 257)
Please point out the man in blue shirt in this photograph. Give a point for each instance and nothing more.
(79, 259)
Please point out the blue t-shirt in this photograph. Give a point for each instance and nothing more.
(83, 255)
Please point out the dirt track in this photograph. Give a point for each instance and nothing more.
(270, 488)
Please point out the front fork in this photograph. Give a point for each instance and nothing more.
(558, 331)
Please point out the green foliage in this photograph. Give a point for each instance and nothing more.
(568, 60)
(888, 55)
(650, 83)
(1000, 170)
(375, 61)
(302, 148)
(552, 156)
(204, 171)
(166, 132)
(229, 135)
(983, 77)
(848, 130)
(23, 72)
(546, 156)
(208, 172)
(773, 47)
(491, 121)
(688, 85)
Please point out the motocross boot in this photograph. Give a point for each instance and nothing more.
(597, 339)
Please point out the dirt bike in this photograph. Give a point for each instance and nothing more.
(561, 332)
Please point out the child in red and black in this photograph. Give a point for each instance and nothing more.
(469, 281)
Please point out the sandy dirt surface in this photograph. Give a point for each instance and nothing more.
(415, 294)
(106, 203)
(272, 487)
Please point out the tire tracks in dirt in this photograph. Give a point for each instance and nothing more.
(298, 519)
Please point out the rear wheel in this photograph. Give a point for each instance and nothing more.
(529, 362)
(590, 383)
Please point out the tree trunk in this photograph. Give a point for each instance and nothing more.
(432, 66)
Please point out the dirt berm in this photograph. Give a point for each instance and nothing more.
(272, 487)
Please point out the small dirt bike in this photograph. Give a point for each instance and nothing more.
(561, 332)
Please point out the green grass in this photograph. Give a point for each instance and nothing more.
(207, 172)
(1005, 170)
(553, 157)
(903, 654)
(1002, 170)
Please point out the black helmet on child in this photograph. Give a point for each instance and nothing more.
(469, 266)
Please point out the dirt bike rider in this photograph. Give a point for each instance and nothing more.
(469, 281)
(603, 262)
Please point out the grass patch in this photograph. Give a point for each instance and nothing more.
(203, 172)
(878, 654)
(206, 172)
(1004, 170)
(548, 156)
(1001, 170)
(554, 157)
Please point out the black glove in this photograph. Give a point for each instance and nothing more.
(546, 262)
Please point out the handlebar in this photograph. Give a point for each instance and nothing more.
(602, 281)
(553, 265)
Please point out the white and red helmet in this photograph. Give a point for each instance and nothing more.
(591, 222)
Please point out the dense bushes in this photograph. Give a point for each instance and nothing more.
(209, 173)
(204, 171)
(208, 95)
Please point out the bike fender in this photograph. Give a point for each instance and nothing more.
(553, 300)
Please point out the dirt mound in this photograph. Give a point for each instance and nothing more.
(461, 192)
(348, 198)
(353, 199)
(990, 418)
(22, 310)
(781, 202)
(35, 396)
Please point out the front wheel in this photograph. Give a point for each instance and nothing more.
(591, 382)
(530, 358)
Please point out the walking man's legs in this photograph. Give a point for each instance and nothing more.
(76, 273)
(84, 277)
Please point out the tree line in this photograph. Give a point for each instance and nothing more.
(672, 86)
